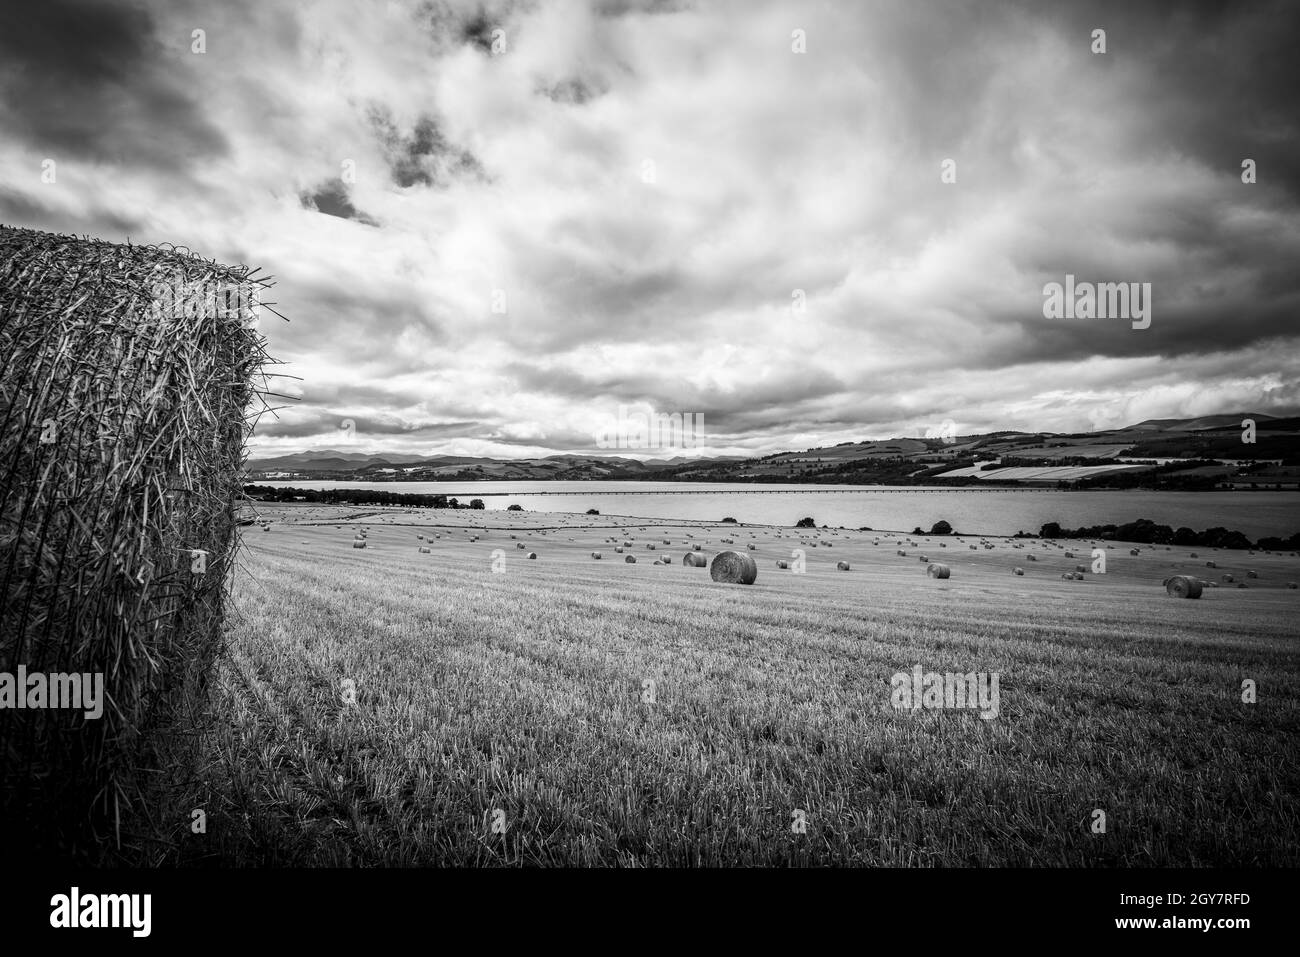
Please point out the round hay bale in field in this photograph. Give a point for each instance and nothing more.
(752, 547)
(692, 560)
(425, 550)
(666, 559)
(358, 543)
(1031, 558)
(1242, 585)
(618, 549)
(938, 570)
(1210, 584)
(902, 553)
(1020, 571)
(1292, 585)
(650, 546)
(1229, 579)
(1078, 576)
(697, 547)
(733, 568)
(1080, 568)
(1211, 564)
(532, 554)
(782, 564)
(1069, 554)
(1135, 551)
(667, 541)
(519, 544)
(627, 544)
(1183, 586)
(595, 554)
(922, 559)
(630, 559)
(1252, 574)
(1068, 576)
(1193, 555)
(657, 562)
(842, 566)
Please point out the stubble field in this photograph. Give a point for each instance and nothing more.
(571, 711)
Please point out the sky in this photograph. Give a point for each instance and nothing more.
(494, 227)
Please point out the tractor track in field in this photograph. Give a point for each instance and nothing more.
(348, 802)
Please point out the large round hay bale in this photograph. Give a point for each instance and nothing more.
(595, 554)
(630, 559)
(842, 566)
(666, 559)
(733, 568)
(693, 560)
(618, 549)
(1020, 571)
(358, 543)
(938, 570)
(1183, 586)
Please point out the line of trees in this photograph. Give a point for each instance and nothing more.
(355, 496)
(1148, 532)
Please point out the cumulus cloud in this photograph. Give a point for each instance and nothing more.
(492, 224)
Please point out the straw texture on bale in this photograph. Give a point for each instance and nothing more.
(131, 377)
(1181, 586)
(733, 568)
(693, 560)
(938, 570)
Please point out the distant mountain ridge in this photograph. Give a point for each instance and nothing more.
(1207, 437)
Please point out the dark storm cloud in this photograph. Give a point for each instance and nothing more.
(1220, 81)
(331, 198)
(423, 157)
(91, 80)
